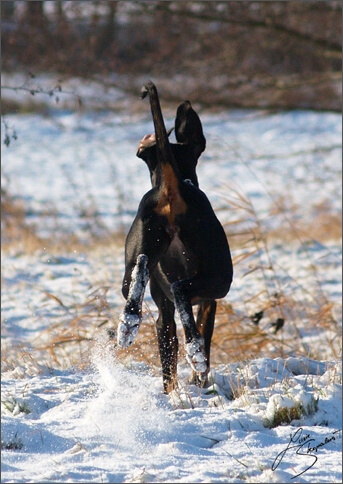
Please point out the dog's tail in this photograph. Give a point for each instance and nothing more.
(164, 151)
(170, 202)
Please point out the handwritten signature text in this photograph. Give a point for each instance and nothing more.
(303, 444)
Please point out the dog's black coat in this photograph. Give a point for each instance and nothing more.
(178, 243)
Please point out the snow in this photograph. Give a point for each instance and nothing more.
(84, 412)
(113, 424)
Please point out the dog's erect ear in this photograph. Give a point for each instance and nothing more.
(188, 128)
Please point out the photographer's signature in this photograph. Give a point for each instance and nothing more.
(303, 444)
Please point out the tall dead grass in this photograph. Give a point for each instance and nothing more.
(14, 228)
(268, 322)
(277, 320)
(18, 233)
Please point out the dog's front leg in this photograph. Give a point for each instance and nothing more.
(131, 317)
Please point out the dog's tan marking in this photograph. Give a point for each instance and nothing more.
(170, 203)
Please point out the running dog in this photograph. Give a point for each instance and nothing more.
(176, 242)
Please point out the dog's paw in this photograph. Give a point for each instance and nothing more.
(195, 355)
(127, 329)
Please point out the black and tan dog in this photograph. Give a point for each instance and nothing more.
(178, 243)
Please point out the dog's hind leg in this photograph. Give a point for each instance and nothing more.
(195, 343)
(166, 334)
(205, 324)
(131, 317)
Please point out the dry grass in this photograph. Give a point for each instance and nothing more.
(14, 228)
(18, 233)
(68, 341)
(325, 224)
(240, 333)
(236, 338)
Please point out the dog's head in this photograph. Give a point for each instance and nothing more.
(190, 144)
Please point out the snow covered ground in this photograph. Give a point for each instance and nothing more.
(82, 412)
(112, 424)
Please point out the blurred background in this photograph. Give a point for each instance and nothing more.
(279, 54)
(265, 78)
